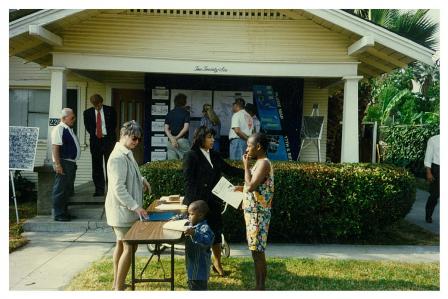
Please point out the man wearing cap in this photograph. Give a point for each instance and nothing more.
(241, 128)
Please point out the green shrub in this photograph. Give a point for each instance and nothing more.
(313, 202)
(406, 145)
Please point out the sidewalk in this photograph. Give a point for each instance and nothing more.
(51, 260)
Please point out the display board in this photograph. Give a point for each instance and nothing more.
(195, 100)
(312, 127)
(222, 104)
(270, 115)
(22, 147)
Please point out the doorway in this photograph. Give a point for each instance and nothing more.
(129, 104)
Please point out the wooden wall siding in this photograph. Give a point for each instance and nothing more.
(21, 71)
(83, 174)
(206, 39)
(313, 94)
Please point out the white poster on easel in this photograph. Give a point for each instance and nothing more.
(22, 147)
(222, 104)
(22, 153)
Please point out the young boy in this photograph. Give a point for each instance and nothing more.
(199, 239)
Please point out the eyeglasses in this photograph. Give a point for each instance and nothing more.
(136, 139)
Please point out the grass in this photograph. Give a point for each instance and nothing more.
(401, 233)
(283, 274)
(26, 210)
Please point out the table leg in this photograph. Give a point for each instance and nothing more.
(172, 267)
(133, 269)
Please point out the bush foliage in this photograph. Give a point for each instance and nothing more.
(313, 202)
(406, 145)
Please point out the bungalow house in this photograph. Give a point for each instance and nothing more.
(137, 59)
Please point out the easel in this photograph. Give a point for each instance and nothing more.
(11, 175)
(315, 138)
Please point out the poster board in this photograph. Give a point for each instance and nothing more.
(222, 104)
(22, 147)
(195, 100)
(312, 127)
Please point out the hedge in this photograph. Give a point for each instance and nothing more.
(313, 202)
(406, 145)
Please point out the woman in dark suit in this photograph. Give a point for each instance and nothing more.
(202, 168)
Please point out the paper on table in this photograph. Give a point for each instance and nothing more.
(179, 225)
(170, 207)
(224, 190)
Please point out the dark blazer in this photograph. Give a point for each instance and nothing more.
(200, 178)
(110, 118)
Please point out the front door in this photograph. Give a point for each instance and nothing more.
(129, 104)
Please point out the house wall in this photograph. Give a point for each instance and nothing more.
(313, 94)
(30, 76)
(298, 41)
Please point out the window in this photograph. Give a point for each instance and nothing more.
(29, 108)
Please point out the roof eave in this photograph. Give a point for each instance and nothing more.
(42, 18)
(380, 34)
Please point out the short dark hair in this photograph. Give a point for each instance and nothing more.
(240, 102)
(180, 100)
(199, 205)
(261, 139)
(96, 98)
(199, 136)
(250, 108)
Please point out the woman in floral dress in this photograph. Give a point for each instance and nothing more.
(257, 202)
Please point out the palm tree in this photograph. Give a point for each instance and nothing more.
(414, 25)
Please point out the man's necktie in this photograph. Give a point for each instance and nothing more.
(99, 127)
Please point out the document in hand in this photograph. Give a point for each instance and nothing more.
(224, 190)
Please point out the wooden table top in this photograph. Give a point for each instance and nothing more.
(147, 232)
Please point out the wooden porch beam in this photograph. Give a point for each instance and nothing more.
(45, 35)
(361, 45)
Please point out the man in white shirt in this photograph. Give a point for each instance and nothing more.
(65, 152)
(241, 128)
(432, 165)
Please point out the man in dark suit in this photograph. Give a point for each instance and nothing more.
(100, 121)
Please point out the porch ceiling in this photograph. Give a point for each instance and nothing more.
(110, 77)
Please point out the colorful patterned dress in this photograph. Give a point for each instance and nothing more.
(257, 211)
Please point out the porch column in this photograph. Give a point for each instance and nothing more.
(350, 139)
(58, 100)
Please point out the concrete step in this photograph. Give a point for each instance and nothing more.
(47, 224)
(92, 212)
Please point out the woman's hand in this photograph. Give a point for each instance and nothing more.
(238, 189)
(246, 160)
(141, 212)
(146, 186)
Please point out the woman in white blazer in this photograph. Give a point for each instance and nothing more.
(124, 199)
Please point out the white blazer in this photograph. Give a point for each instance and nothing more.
(125, 188)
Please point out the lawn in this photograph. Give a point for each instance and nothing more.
(26, 211)
(283, 274)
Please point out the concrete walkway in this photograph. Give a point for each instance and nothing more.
(51, 259)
